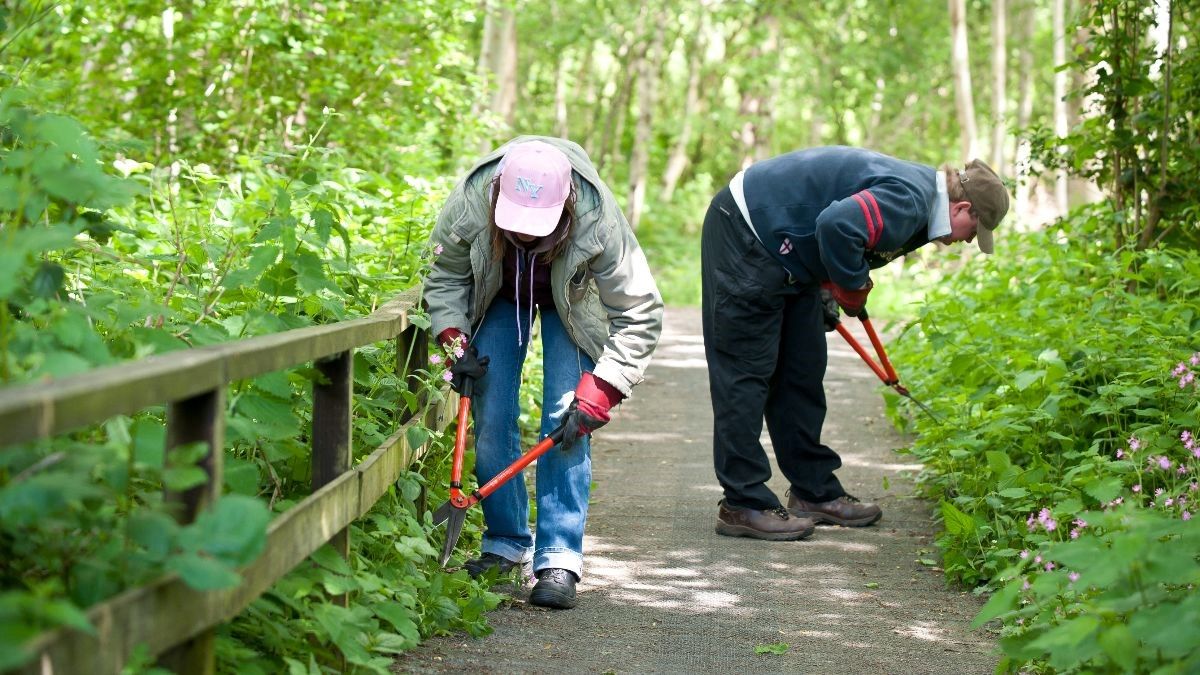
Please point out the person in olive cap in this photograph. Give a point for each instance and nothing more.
(787, 242)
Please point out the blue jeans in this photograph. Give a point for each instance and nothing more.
(563, 477)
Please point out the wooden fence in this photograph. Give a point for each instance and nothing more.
(173, 621)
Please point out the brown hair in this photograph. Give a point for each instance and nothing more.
(499, 241)
(954, 187)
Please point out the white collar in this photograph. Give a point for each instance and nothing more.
(939, 214)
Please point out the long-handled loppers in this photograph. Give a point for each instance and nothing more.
(885, 372)
(454, 511)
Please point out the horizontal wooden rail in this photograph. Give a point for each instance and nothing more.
(41, 410)
(172, 620)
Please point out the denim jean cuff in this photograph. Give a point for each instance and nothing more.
(507, 550)
(560, 558)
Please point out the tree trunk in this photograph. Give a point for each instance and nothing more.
(589, 100)
(999, 82)
(498, 63)
(1023, 148)
(755, 106)
(960, 64)
(648, 70)
(1058, 10)
(678, 159)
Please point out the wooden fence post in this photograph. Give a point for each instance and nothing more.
(200, 419)
(412, 354)
(331, 433)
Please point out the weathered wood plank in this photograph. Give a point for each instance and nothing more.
(165, 612)
(43, 409)
(196, 419)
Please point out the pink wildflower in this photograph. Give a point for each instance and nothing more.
(1168, 502)
(447, 376)
(1189, 441)
(435, 359)
(1134, 444)
(1037, 560)
(1074, 534)
(1073, 576)
(1049, 566)
(1193, 486)
(459, 351)
(1195, 359)
(1025, 585)
(1081, 522)
(1187, 515)
(1120, 453)
(1024, 555)
(1158, 492)
(1030, 523)
(1179, 369)
(437, 250)
(1164, 463)
(1137, 488)
(1119, 501)
(1182, 470)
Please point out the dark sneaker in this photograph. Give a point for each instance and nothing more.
(488, 562)
(555, 589)
(847, 511)
(770, 524)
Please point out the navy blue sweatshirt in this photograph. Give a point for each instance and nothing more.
(835, 213)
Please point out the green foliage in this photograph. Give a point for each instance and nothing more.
(1064, 395)
(115, 249)
(395, 597)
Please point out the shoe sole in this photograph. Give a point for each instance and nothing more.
(552, 599)
(824, 518)
(743, 531)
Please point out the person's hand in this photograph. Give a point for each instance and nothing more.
(590, 410)
(466, 363)
(852, 302)
(829, 308)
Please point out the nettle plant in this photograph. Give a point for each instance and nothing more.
(1115, 588)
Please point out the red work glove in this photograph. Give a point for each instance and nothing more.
(852, 302)
(589, 411)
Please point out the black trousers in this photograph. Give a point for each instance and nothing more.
(764, 339)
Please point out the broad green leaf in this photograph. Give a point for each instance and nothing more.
(233, 530)
(957, 523)
(331, 560)
(180, 478)
(203, 573)
(1026, 378)
(1001, 602)
(154, 532)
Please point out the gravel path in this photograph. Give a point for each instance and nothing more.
(663, 593)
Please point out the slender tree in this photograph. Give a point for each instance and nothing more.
(960, 62)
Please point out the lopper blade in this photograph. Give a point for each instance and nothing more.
(454, 527)
(442, 513)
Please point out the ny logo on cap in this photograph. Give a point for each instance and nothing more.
(528, 186)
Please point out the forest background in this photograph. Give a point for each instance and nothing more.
(176, 174)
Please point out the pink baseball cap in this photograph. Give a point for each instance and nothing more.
(534, 183)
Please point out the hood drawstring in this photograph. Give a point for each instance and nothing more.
(532, 262)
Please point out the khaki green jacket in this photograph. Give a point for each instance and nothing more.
(602, 284)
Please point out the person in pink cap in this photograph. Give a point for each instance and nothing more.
(532, 232)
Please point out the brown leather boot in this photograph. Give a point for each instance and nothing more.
(770, 524)
(846, 511)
